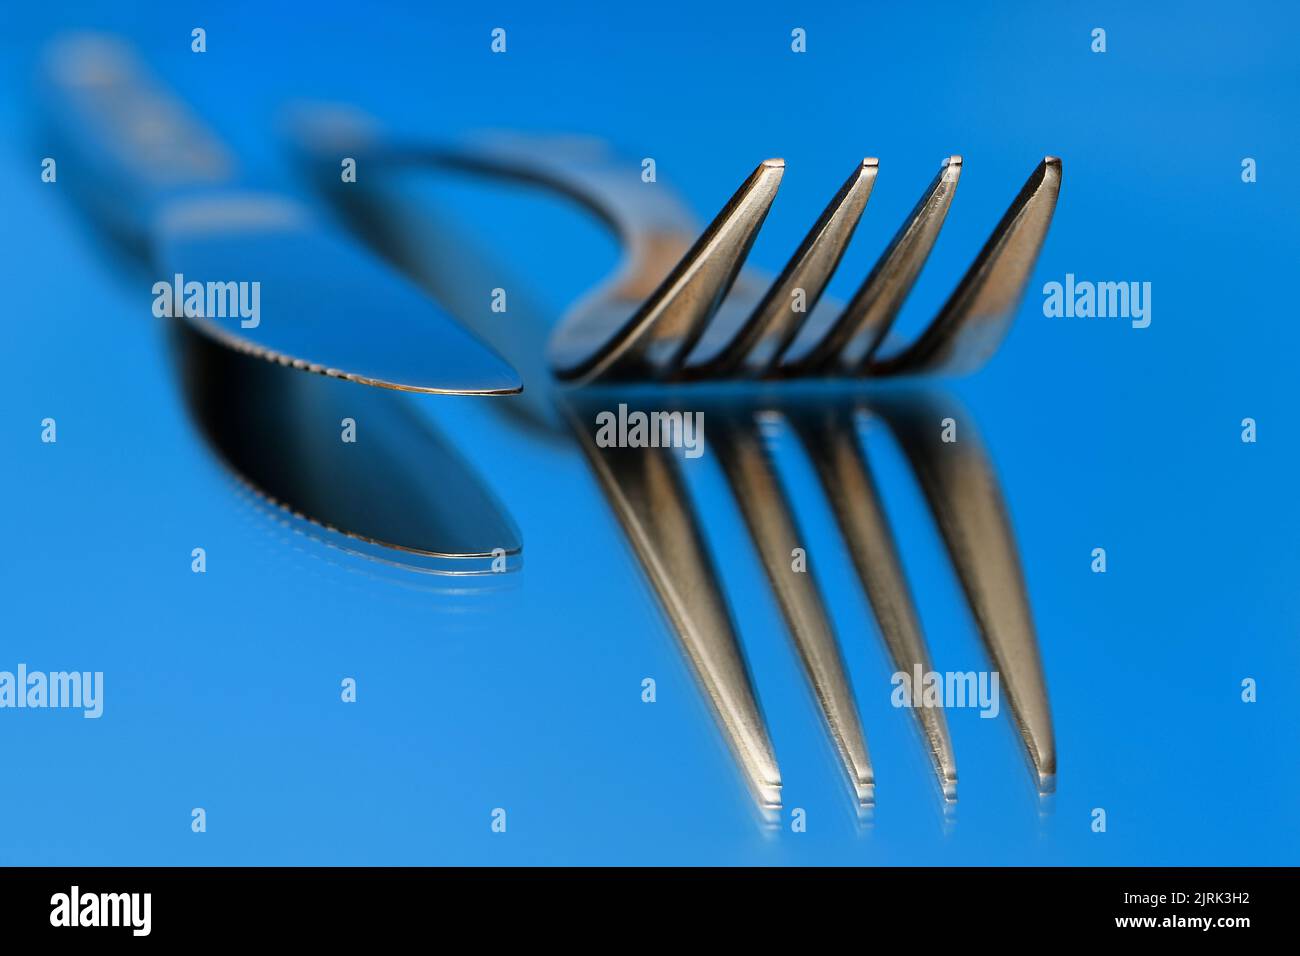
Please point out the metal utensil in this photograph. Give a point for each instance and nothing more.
(681, 306)
(163, 185)
(150, 180)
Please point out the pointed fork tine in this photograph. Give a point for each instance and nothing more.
(971, 325)
(659, 336)
(775, 321)
(855, 335)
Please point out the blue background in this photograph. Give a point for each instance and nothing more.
(223, 689)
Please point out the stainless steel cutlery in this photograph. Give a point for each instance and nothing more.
(682, 307)
(161, 189)
(161, 184)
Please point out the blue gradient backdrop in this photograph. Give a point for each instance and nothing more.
(222, 689)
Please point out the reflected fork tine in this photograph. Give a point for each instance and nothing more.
(769, 515)
(649, 497)
(829, 439)
(962, 491)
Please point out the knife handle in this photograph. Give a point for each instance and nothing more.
(126, 143)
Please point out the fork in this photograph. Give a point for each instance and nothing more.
(683, 307)
(700, 323)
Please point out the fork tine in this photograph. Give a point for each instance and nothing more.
(972, 323)
(657, 339)
(774, 323)
(853, 337)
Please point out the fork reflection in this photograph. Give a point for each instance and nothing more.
(645, 488)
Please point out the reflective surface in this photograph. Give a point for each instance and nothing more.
(397, 486)
(651, 503)
(223, 689)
